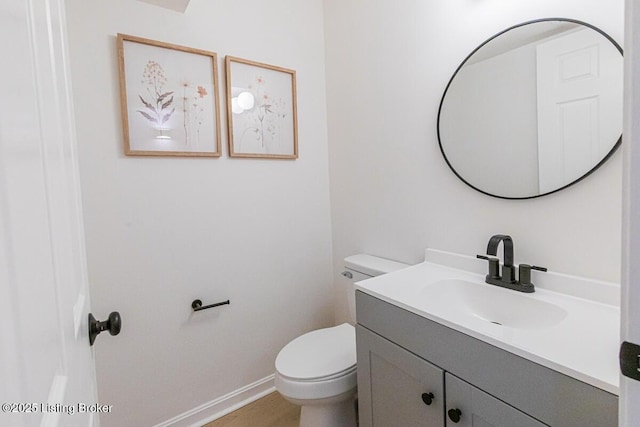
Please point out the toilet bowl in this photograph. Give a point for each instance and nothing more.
(317, 370)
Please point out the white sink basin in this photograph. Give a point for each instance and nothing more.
(489, 303)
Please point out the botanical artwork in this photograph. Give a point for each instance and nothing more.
(261, 110)
(157, 108)
(170, 102)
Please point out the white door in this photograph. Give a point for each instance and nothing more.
(579, 87)
(47, 375)
(629, 388)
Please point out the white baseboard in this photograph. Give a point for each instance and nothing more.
(207, 412)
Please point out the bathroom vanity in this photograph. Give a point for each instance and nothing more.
(437, 346)
(435, 350)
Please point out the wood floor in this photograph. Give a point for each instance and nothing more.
(269, 411)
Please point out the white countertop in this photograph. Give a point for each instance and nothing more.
(583, 344)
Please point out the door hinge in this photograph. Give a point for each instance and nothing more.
(630, 360)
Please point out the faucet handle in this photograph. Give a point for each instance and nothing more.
(494, 265)
(524, 273)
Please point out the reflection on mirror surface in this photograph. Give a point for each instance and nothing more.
(534, 109)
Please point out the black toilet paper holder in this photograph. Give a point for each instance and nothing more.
(197, 305)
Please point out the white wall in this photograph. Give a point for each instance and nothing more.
(392, 193)
(164, 231)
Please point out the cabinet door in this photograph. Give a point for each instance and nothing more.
(468, 406)
(395, 387)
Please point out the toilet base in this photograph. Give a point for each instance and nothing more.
(335, 415)
(337, 411)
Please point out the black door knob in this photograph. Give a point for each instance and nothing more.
(454, 414)
(427, 398)
(112, 324)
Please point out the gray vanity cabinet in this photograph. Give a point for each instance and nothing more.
(395, 387)
(475, 408)
(402, 356)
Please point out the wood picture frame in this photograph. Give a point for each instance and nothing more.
(261, 110)
(169, 98)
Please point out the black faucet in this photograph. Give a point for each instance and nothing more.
(508, 277)
(508, 271)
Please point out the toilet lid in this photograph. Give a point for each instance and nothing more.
(319, 354)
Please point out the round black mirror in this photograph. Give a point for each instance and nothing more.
(534, 109)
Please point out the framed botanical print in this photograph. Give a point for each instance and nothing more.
(261, 110)
(169, 97)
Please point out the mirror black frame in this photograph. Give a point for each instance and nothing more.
(607, 157)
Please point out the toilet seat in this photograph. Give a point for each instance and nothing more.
(318, 365)
(319, 355)
(327, 378)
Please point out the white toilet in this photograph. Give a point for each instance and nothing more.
(318, 369)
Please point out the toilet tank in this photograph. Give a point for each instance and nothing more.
(361, 267)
